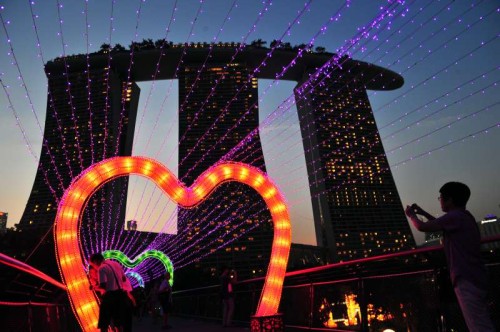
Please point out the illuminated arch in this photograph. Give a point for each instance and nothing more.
(124, 260)
(83, 300)
(136, 276)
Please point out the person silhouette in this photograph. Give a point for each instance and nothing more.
(462, 242)
(115, 305)
(228, 279)
(165, 298)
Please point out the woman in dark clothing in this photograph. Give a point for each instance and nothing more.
(227, 280)
(165, 298)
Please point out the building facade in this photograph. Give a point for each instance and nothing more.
(356, 206)
(3, 221)
(219, 107)
(490, 227)
(90, 117)
(91, 111)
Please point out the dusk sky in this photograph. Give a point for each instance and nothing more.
(441, 125)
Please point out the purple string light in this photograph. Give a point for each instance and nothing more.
(279, 110)
(240, 46)
(68, 87)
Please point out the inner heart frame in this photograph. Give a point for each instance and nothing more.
(124, 260)
(84, 301)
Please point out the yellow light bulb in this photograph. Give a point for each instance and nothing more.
(200, 191)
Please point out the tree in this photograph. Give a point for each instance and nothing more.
(134, 46)
(320, 49)
(147, 44)
(300, 47)
(259, 43)
(118, 48)
(275, 43)
(105, 48)
(160, 43)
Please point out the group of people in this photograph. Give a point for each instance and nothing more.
(117, 300)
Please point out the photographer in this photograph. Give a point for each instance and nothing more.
(461, 241)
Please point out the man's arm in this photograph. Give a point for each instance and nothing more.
(419, 211)
(432, 225)
(101, 289)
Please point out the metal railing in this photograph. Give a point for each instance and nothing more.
(35, 317)
(404, 291)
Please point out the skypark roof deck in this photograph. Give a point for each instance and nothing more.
(145, 64)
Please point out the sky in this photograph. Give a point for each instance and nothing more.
(442, 125)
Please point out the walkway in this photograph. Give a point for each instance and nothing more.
(184, 325)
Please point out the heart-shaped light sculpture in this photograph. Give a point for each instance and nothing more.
(71, 264)
(157, 254)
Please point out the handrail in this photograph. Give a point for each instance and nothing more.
(365, 282)
(12, 262)
(35, 304)
(347, 263)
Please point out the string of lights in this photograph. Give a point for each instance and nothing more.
(259, 17)
(89, 240)
(106, 80)
(28, 97)
(435, 75)
(153, 83)
(447, 125)
(459, 88)
(453, 63)
(290, 100)
(331, 19)
(127, 90)
(177, 245)
(181, 61)
(240, 46)
(161, 109)
(89, 90)
(177, 69)
(44, 142)
(68, 87)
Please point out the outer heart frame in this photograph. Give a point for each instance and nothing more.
(66, 231)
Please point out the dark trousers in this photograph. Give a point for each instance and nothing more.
(115, 307)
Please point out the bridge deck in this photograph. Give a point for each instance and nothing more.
(148, 324)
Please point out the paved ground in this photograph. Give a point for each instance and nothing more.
(185, 325)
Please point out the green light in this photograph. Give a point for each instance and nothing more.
(125, 261)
